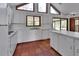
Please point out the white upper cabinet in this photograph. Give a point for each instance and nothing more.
(3, 16)
(6, 14)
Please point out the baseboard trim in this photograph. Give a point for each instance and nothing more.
(33, 41)
(15, 49)
(56, 51)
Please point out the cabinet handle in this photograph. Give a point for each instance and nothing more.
(71, 47)
(77, 50)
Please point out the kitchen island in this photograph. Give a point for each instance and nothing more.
(13, 42)
(65, 42)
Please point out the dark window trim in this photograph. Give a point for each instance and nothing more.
(23, 5)
(57, 18)
(67, 24)
(46, 8)
(34, 21)
(51, 5)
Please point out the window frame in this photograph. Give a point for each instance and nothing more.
(45, 7)
(23, 5)
(34, 21)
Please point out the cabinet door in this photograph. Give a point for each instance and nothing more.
(65, 45)
(4, 41)
(13, 43)
(54, 41)
(77, 47)
(3, 16)
(9, 14)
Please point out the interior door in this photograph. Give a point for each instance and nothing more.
(72, 24)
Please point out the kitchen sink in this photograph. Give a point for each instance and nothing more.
(10, 32)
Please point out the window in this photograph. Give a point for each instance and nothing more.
(76, 21)
(60, 24)
(54, 10)
(30, 20)
(63, 24)
(25, 6)
(77, 24)
(33, 21)
(56, 24)
(36, 21)
(42, 7)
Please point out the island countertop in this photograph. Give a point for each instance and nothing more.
(68, 33)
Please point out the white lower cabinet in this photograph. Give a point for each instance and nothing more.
(4, 41)
(62, 44)
(76, 47)
(13, 43)
(65, 46)
(55, 41)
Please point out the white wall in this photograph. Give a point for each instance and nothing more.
(26, 33)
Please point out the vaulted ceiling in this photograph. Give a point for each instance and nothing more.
(65, 8)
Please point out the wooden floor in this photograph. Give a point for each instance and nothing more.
(36, 48)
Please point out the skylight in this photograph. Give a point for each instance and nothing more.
(28, 7)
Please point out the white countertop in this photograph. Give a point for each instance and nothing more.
(68, 33)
